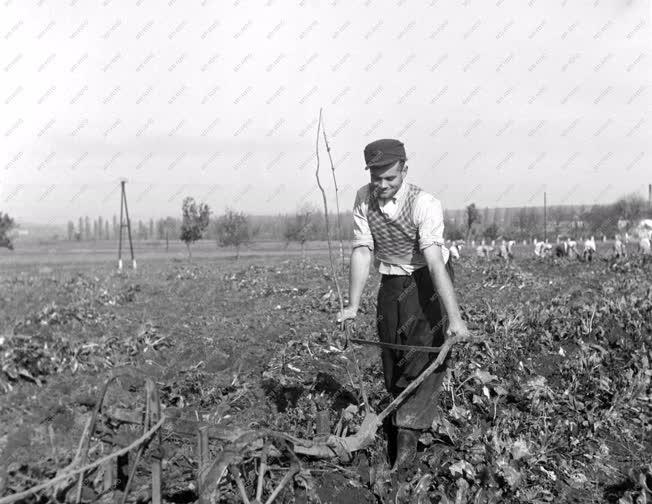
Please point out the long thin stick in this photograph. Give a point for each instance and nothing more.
(155, 414)
(328, 234)
(334, 272)
(337, 199)
(261, 473)
(202, 462)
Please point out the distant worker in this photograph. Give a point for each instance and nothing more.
(455, 249)
(510, 249)
(619, 248)
(644, 244)
(502, 250)
(483, 251)
(589, 249)
(572, 248)
(543, 249)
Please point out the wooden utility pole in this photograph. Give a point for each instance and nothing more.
(124, 222)
(545, 219)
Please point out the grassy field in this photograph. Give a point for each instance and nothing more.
(558, 411)
(70, 253)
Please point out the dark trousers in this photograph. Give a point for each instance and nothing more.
(410, 313)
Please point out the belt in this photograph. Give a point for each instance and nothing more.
(420, 269)
(412, 348)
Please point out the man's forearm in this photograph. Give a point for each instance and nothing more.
(359, 272)
(445, 291)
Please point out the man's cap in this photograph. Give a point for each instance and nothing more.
(383, 152)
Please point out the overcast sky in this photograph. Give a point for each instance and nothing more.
(495, 100)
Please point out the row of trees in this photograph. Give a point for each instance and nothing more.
(525, 223)
(235, 228)
(238, 228)
(568, 220)
(261, 227)
(99, 229)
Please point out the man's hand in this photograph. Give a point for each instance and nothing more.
(349, 312)
(457, 328)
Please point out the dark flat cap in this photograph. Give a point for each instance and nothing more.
(384, 152)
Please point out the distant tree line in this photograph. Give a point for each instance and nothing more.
(307, 223)
(261, 227)
(563, 220)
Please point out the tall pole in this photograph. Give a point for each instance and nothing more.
(131, 245)
(545, 219)
(124, 214)
(122, 195)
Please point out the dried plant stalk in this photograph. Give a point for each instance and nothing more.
(337, 198)
(334, 272)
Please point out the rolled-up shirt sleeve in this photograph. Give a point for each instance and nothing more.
(361, 232)
(429, 217)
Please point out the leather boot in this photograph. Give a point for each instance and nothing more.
(390, 433)
(406, 447)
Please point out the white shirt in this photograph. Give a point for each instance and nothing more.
(589, 245)
(428, 216)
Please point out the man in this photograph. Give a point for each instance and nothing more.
(589, 249)
(455, 249)
(502, 251)
(483, 251)
(547, 249)
(644, 244)
(619, 248)
(510, 249)
(571, 246)
(403, 227)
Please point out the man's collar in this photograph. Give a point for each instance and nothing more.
(398, 195)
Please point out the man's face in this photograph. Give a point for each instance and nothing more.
(387, 180)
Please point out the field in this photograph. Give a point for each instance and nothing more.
(555, 408)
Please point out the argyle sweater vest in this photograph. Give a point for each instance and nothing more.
(396, 240)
